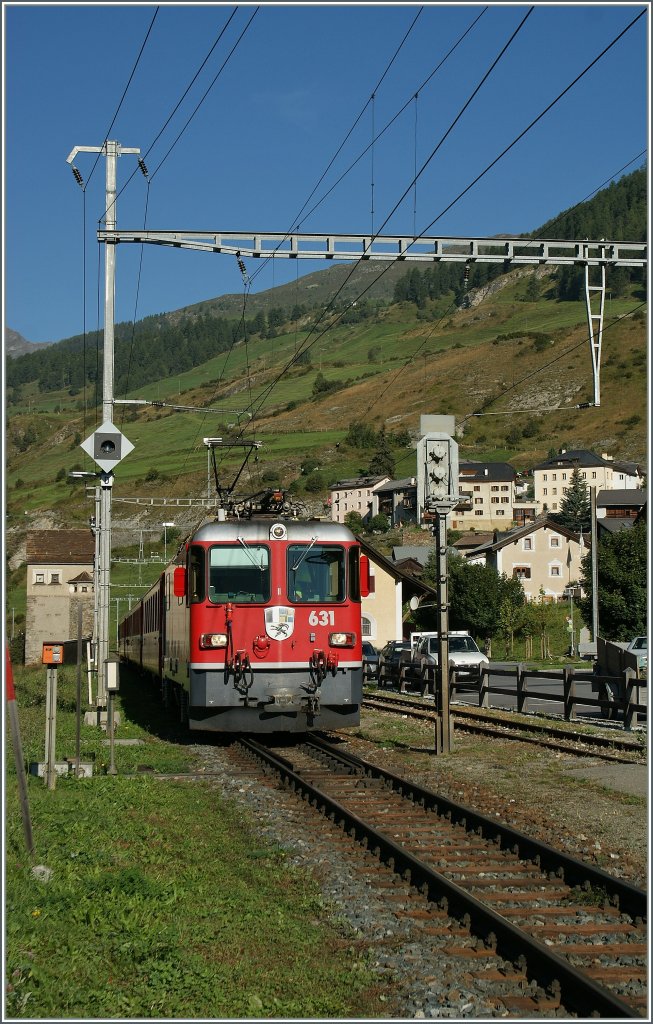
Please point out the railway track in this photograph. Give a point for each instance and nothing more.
(548, 736)
(553, 934)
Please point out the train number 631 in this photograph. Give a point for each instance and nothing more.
(322, 618)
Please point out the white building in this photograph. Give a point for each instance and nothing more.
(354, 495)
(552, 478)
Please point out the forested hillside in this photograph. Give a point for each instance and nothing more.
(176, 342)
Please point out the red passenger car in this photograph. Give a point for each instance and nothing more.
(256, 626)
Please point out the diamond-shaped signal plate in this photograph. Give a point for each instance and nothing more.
(107, 446)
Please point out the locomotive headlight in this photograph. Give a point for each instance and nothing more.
(342, 639)
(208, 641)
(278, 532)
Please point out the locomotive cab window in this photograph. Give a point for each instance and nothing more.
(315, 573)
(239, 573)
(196, 562)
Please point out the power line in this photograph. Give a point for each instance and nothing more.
(299, 219)
(206, 93)
(181, 99)
(140, 54)
(519, 137)
(329, 306)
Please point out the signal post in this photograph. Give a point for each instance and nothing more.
(437, 479)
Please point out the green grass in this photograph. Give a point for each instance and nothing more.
(164, 901)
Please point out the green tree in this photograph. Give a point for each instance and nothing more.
(575, 510)
(354, 521)
(378, 523)
(622, 578)
(360, 435)
(315, 483)
(383, 461)
(476, 595)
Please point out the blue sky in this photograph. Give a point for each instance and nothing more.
(273, 120)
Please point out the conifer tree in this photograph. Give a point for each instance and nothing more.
(575, 510)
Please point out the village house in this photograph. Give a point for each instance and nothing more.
(390, 591)
(59, 580)
(543, 555)
(396, 499)
(354, 495)
(551, 479)
(487, 491)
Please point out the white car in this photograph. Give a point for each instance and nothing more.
(464, 655)
(639, 646)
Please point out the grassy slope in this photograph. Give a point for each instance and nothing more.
(398, 367)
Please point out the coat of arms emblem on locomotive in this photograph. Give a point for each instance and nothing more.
(279, 622)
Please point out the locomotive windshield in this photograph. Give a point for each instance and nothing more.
(315, 573)
(239, 573)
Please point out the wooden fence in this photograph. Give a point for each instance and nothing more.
(615, 694)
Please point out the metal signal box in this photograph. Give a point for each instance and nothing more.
(52, 654)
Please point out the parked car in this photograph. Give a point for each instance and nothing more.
(639, 646)
(464, 655)
(389, 658)
(370, 661)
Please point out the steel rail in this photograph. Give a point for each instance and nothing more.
(627, 897)
(509, 730)
(577, 991)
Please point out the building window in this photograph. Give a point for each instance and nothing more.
(521, 572)
(55, 577)
(493, 488)
(593, 476)
(554, 476)
(505, 487)
(545, 477)
(478, 501)
(501, 512)
(554, 542)
(554, 506)
(477, 487)
(494, 501)
(564, 476)
(479, 512)
(366, 627)
(554, 570)
(505, 501)
(544, 490)
(528, 544)
(554, 491)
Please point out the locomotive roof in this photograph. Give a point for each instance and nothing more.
(258, 530)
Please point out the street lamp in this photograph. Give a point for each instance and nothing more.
(165, 539)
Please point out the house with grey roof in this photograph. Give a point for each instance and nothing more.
(552, 478)
(544, 556)
(354, 495)
(396, 499)
(487, 491)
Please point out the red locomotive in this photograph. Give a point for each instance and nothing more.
(256, 626)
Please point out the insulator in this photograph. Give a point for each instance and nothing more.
(141, 164)
(78, 176)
